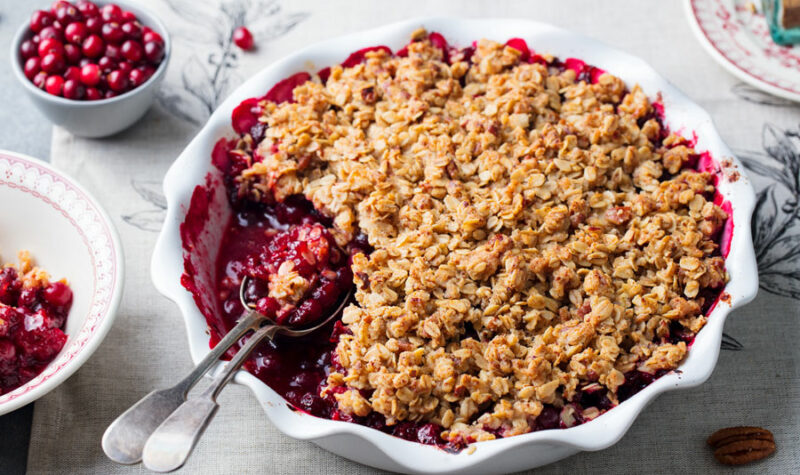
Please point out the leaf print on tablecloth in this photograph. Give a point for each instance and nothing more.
(149, 219)
(208, 77)
(730, 343)
(776, 236)
(752, 94)
(150, 190)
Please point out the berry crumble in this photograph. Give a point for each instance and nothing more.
(33, 311)
(529, 243)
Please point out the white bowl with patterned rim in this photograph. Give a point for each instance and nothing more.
(70, 236)
(369, 446)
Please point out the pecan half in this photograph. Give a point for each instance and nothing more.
(741, 445)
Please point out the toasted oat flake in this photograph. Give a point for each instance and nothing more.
(532, 233)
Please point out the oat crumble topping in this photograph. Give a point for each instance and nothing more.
(534, 235)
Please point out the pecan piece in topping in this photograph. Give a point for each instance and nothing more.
(741, 445)
(368, 95)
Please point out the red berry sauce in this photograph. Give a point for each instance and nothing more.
(31, 327)
(125, 52)
(260, 237)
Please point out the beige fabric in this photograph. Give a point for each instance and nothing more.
(759, 385)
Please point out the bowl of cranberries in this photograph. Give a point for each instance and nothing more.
(93, 68)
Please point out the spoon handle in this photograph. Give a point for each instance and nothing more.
(170, 445)
(124, 440)
(250, 321)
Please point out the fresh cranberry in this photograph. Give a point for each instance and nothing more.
(132, 30)
(88, 9)
(53, 63)
(150, 35)
(32, 67)
(109, 94)
(125, 67)
(73, 73)
(41, 19)
(128, 16)
(76, 32)
(66, 14)
(50, 45)
(90, 74)
(243, 38)
(28, 49)
(93, 46)
(111, 12)
(54, 85)
(72, 54)
(112, 51)
(40, 79)
(117, 81)
(132, 51)
(35, 39)
(147, 71)
(72, 90)
(112, 33)
(93, 94)
(154, 51)
(137, 77)
(107, 64)
(50, 32)
(95, 25)
(58, 4)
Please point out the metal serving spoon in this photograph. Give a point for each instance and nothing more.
(174, 424)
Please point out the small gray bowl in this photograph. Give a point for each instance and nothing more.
(103, 117)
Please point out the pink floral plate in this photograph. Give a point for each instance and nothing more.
(736, 35)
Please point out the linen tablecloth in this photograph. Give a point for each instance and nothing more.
(756, 382)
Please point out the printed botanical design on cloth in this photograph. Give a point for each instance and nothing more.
(152, 218)
(776, 234)
(210, 73)
(756, 96)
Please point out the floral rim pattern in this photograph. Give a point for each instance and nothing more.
(78, 208)
(739, 36)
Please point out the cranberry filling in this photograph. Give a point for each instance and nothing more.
(31, 323)
(261, 238)
(310, 252)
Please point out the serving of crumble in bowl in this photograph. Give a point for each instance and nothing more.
(543, 235)
(61, 271)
